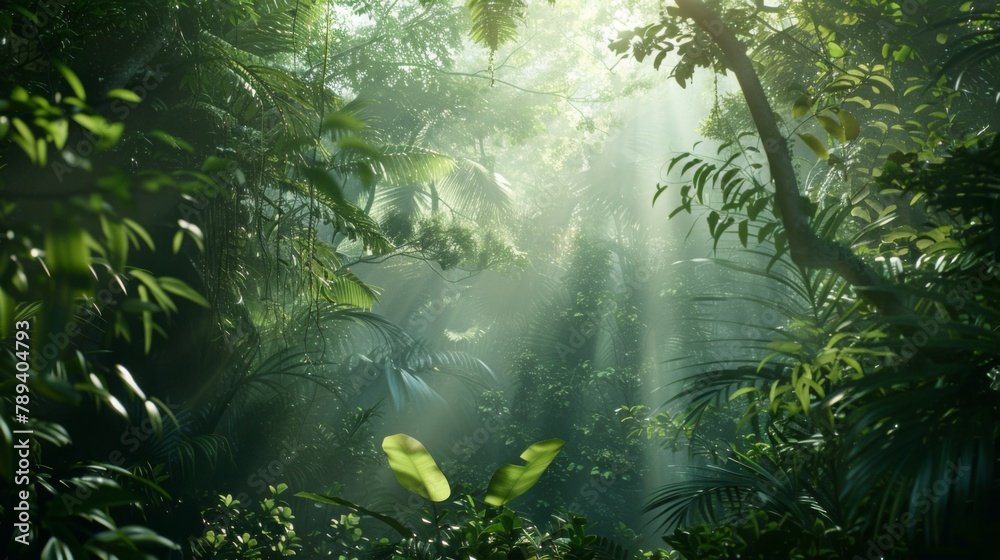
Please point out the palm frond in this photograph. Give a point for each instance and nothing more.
(477, 192)
(494, 22)
(721, 494)
(347, 289)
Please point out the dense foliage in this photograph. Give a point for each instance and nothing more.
(243, 241)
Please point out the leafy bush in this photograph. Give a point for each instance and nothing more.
(241, 531)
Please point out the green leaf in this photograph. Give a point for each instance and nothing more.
(816, 145)
(116, 236)
(140, 232)
(785, 346)
(154, 287)
(744, 232)
(510, 481)
(801, 106)
(346, 288)
(60, 131)
(882, 80)
(155, 419)
(414, 468)
(359, 146)
(862, 213)
(172, 141)
(66, 255)
(324, 182)
(860, 101)
(494, 23)
(833, 127)
(73, 81)
(25, 138)
(342, 121)
(713, 221)
(335, 501)
(887, 107)
(147, 321)
(741, 391)
(835, 50)
(850, 125)
(178, 240)
(180, 288)
(129, 381)
(214, 164)
(124, 95)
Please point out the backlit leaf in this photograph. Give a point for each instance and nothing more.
(850, 125)
(414, 468)
(831, 126)
(510, 481)
(816, 145)
(73, 81)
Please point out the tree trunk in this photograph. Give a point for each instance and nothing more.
(806, 249)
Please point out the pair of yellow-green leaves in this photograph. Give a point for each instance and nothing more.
(417, 471)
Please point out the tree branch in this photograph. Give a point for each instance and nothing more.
(806, 249)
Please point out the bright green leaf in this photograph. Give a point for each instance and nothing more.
(833, 127)
(510, 481)
(124, 95)
(849, 124)
(816, 145)
(73, 81)
(887, 107)
(414, 468)
(801, 106)
(180, 288)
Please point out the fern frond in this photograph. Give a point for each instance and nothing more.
(494, 22)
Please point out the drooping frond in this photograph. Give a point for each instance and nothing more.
(477, 192)
(714, 493)
(407, 368)
(494, 22)
(400, 165)
(251, 85)
(346, 217)
(347, 289)
(275, 28)
(409, 202)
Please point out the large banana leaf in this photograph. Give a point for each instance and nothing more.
(414, 468)
(510, 481)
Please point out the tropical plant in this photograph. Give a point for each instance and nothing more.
(470, 530)
(854, 387)
(242, 531)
